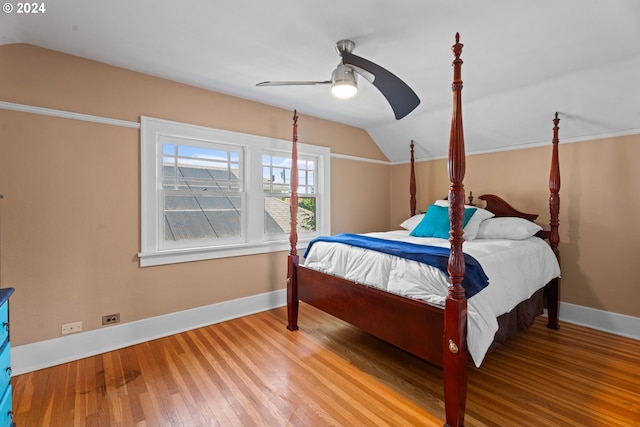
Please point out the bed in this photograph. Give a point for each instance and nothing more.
(433, 325)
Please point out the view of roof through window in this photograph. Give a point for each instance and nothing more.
(204, 199)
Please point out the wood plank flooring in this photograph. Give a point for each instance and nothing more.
(253, 372)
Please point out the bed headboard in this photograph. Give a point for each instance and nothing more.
(499, 207)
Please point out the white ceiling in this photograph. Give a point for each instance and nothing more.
(523, 59)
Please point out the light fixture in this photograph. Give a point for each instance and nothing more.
(343, 82)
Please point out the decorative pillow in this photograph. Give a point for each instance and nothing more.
(435, 222)
(472, 227)
(411, 223)
(511, 228)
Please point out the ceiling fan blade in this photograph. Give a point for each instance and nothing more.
(293, 83)
(400, 96)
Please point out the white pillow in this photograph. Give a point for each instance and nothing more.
(475, 222)
(473, 225)
(411, 223)
(445, 203)
(511, 228)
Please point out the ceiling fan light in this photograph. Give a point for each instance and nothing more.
(344, 89)
(344, 84)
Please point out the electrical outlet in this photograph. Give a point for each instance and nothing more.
(111, 319)
(70, 328)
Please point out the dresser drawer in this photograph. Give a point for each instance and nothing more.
(5, 365)
(4, 322)
(6, 414)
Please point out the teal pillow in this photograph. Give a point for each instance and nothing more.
(436, 222)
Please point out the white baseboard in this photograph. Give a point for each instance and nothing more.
(44, 354)
(614, 323)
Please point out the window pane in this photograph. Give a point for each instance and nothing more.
(277, 217)
(276, 175)
(202, 198)
(201, 217)
(266, 179)
(279, 175)
(200, 169)
(169, 149)
(311, 178)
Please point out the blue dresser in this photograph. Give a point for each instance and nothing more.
(6, 412)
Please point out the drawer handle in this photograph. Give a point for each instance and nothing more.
(6, 326)
(9, 370)
(10, 414)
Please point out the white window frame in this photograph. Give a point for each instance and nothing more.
(255, 241)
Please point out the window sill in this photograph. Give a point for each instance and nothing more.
(149, 259)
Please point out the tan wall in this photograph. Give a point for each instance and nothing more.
(599, 209)
(360, 196)
(70, 219)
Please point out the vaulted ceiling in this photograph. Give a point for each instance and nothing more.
(523, 60)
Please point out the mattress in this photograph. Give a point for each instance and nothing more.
(516, 269)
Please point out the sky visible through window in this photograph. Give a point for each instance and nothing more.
(276, 169)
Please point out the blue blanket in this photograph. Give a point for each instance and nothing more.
(474, 280)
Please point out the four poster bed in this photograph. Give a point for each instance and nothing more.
(435, 328)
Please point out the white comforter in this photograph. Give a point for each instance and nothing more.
(516, 269)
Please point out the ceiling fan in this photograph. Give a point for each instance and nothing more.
(400, 96)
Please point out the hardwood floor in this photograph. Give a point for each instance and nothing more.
(253, 372)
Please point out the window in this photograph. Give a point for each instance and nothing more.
(208, 193)
(202, 197)
(276, 175)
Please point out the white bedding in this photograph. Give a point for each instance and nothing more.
(516, 269)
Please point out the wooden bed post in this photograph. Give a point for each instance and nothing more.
(293, 259)
(412, 184)
(553, 288)
(455, 312)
